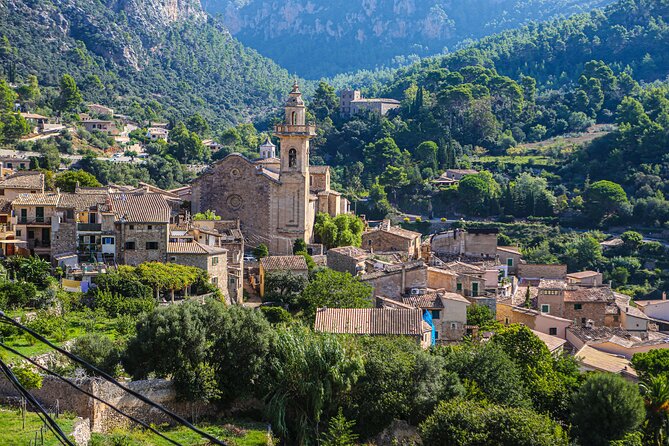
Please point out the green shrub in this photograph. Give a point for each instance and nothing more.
(276, 315)
(98, 350)
(27, 376)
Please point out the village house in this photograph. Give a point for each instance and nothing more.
(375, 322)
(453, 176)
(100, 125)
(157, 133)
(347, 259)
(585, 278)
(583, 305)
(276, 203)
(13, 160)
(32, 222)
(387, 238)
(537, 321)
(509, 256)
(36, 122)
(218, 234)
(211, 259)
(296, 265)
(616, 341)
(351, 102)
(397, 280)
(100, 110)
(478, 243)
(473, 280)
(448, 311)
(656, 310)
(19, 183)
(593, 360)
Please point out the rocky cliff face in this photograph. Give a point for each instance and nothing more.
(153, 14)
(358, 34)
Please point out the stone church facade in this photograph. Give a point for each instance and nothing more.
(275, 199)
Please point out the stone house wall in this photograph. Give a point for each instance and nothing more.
(537, 271)
(441, 279)
(589, 310)
(140, 234)
(393, 285)
(342, 262)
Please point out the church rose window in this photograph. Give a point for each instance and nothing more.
(235, 202)
(234, 173)
(292, 158)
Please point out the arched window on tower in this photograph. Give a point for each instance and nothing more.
(293, 118)
(292, 158)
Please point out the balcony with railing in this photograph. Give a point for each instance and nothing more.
(39, 244)
(89, 227)
(288, 129)
(33, 221)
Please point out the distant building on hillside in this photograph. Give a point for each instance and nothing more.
(351, 102)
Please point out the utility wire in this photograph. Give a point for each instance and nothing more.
(89, 394)
(106, 376)
(41, 412)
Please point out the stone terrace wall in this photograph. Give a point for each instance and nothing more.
(102, 418)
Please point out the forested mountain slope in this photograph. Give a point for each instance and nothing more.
(630, 35)
(327, 38)
(166, 59)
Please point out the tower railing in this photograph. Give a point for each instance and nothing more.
(308, 129)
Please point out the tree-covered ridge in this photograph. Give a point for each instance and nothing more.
(122, 58)
(358, 34)
(629, 35)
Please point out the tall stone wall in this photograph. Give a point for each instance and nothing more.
(537, 271)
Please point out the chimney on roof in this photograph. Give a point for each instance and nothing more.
(664, 295)
(108, 203)
(76, 187)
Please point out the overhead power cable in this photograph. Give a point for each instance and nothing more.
(41, 412)
(174, 416)
(89, 394)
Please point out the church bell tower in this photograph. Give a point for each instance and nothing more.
(295, 211)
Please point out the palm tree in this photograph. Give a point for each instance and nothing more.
(655, 390)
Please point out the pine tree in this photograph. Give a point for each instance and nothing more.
(70, 97)
(340, 432)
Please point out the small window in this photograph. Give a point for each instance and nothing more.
(214, 261)
(458, 287)
(454, 325)
(292, 158)
(509, 262)
(436, 314)
(578, 307)
(130, 245)
(506, 321)
(436, 335)
(152, 245)
(583, 320)
(214, 280)
(149, 227)
(615, 317)
(173, 259)
(545, 308)
(18, 233)
(552, 331)
(107, 240)
(2, 192)
(132, 227)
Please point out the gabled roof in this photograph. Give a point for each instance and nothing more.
(604, 362)
(464, 268)
(427, 300)
(511, 249)
(23, 180)
(319, 169)
(139, 208)
(284, 263)
(193, 247)
(583, 274)
(44, 199)
(81, 201)
(351, 251)
(371, 321)
(552, 342)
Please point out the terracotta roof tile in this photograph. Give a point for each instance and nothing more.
(140, 207)
(284, 263)
(45, 199)
(604, 362)
(193, 247)
(583, 274)
(23, 180)
(371, 321)
(82, 200)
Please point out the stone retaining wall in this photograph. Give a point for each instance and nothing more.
(54, 393)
